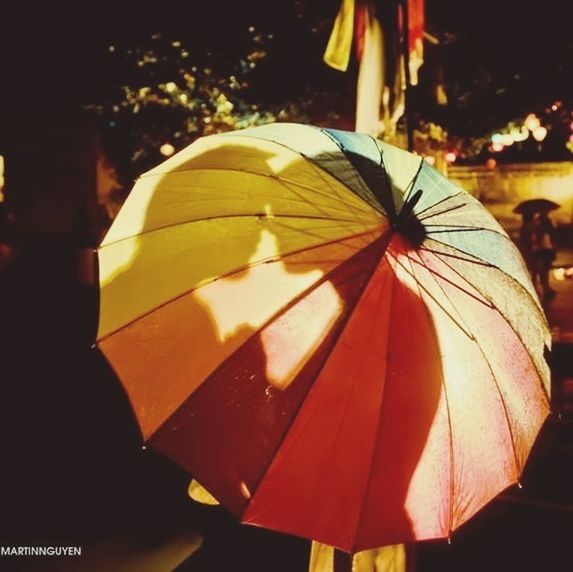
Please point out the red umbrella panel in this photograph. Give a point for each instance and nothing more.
(331, 337)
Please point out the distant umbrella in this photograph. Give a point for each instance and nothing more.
(536, 206)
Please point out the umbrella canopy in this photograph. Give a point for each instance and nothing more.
(335, 340)
(536, 206)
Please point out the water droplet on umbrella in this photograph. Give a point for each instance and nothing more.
(245, 490)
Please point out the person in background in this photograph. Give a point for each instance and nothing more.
(543, 253)
(526, 233)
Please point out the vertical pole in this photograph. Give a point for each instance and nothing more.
(407, 93)
(341, 561)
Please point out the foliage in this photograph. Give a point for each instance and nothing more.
(167, 99)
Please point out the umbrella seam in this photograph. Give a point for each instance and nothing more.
(412, 183)
(469, 260)
(450, 424)
(334, 344)
(363, 183)
(261, 215)
(465, 330)
(162, 175)
(484, 213)
(384, 170)
(506, 319)
(321, 168)
(273, 318)
(371, 464)
(452, 471)
(236, 271)
(491, 264)
(445, 211)
(461, 226)
(482, 262)
(518, 469)
(467, 229)
(433, 272)
(441, 201)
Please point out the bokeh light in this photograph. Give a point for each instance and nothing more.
(167, 149)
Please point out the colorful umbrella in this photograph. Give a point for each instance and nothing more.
(536, 206)
(335, 340)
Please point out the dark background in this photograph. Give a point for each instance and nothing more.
(500, 58)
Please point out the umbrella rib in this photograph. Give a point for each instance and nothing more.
(441, 201)
(371, 202)
(452, 457)
(273, 318)
(485, 263)
(433, 273)
(270, 320)
(509, 241)
(233, 272)
(479, 262)
(383, 168)
(411, 184)
(365, 188)
(518, 469)
(445, 211)
(377, 434)
(479, 346)
(263, 216)
(321, 168)
(450, 425)
(454, 229)
(460, 228)
(299, 197)
(326, 358)
(268, 176)
(322, 174)
(470, 260)
(494, 377)
(441, 306)
(539, 375)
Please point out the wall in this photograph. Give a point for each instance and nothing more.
(502, 188)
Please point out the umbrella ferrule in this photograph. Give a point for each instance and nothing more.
(407, 223)
(408, 208)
